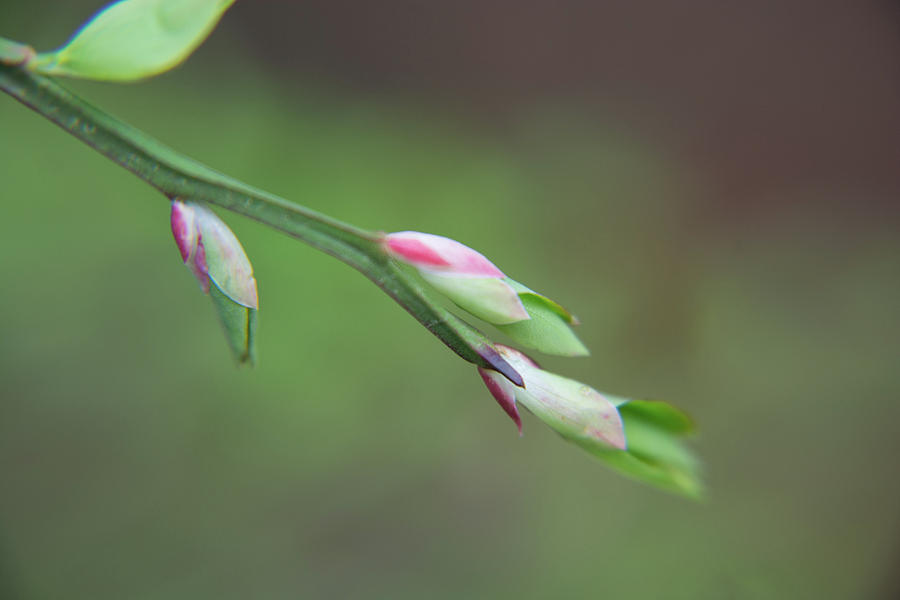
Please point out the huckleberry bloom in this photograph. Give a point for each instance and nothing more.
(216, 258)
(576, 411)
(476, 285)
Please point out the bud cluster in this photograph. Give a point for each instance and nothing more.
(639, 438)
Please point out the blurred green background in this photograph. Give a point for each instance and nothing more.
(712, 189)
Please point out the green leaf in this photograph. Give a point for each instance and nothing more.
(547, 330)
(524, 290)
(660, 414)
(134, 39)
(655, 452)
(239, 324)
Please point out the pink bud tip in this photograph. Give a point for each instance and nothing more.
(182, 220)
(427, 251)
(501, 390)
(416, 252)
(187, 236)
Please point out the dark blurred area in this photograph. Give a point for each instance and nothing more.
(761, 96)
(712, 187)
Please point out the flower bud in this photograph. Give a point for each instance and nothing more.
(215, 256)
(639, 438)
(476, 285)
(577, 411)
(465, 276)
(187, 237)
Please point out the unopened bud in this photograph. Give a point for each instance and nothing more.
(476, 285)
(216, 258)
(577, 411)
(465, 276)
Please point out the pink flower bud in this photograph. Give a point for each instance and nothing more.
(213, 253)
(578, 412)
(187, 237)
(428, 251)
(465, 276)
(215, 257)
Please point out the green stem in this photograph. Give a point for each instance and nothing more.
(178, 176)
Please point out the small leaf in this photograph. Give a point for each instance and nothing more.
(239, 324)
(656, 453)
(546, 330)
(662, 415)
(523, 290)
(134, 39)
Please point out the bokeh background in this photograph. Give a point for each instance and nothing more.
(712, 187)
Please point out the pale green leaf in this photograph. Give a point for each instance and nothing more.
(546, 330)
(656, 453)
(238, 323)
(134, 39)
(660, 414)
(524, 290)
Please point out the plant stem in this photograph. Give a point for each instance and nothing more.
(178, 176)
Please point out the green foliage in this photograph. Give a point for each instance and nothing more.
(659, 414)
(564, 314)
(546, 330)
(655, 453)
(239, 324)
(134, 39)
